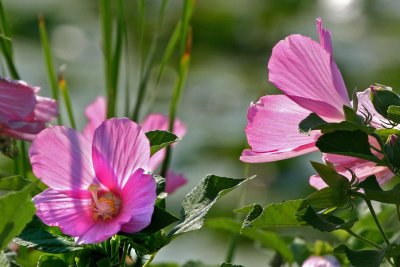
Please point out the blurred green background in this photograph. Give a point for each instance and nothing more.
(232, 41)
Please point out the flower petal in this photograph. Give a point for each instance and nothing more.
(61, 158)
(123, 144)
(73, 216)
(174, 181)
(366, 107)
(101, 230)
(138, 197)
(17, 99)
(306, 72)
(96, 113)
(273, 130)
(46, 109)
(160, 122)
(361, 168)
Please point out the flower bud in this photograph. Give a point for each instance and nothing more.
(392, 150)
(321, 261)
(382, 98)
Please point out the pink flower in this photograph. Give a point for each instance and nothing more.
(321, 261)
(96, 188)
(23, 113)
(307, 74)
(96, 113)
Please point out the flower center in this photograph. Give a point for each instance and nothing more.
(105, 205)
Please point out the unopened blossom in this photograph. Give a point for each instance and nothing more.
(305, 71)
(97, 187)
(23, 113)
(96, 113)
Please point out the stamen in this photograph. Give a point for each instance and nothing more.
(105, 205)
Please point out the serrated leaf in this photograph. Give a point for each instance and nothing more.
(329, 197)
(8, 260)
(51, 261)
(330, 176)
(160, 139)
(362, 258)
(267, 239)
(252, 215)
(324, 222)
(35, 236)
(159, 220)
(199, 201)
(17, 210)
(13, 183)
(310, 122)
(347, 143)
(281, 214)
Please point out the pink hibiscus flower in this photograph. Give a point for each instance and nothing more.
(23, 113)
(96, 188)
(96, 113)
(305, 71)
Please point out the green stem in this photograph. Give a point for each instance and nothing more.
(24, 167)
(398, 211)
(232, 248)
(364, 239)
(67, 100)
(371, 209)
(149, 260)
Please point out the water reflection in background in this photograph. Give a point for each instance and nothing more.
(231, 46)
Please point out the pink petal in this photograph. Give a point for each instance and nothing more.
(160, 122)
(360, 167)
(96, 113)
(17, 99)
(46, 109)
(174, 181)
(61, 158)
(306, 72)
(324, 37)
(365, 106)
(273, 130)
(123, 144)
(73, 216)
(100, 231)
(138, 197)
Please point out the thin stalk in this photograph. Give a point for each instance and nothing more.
(49, 62)
(364, 239)
(149, 260)
(106, 27)
(147, 64)
(5, 30)
(24, 165)
(232, 248)
(371, 209)
(125, 250)
(398, 211)
(67, 100)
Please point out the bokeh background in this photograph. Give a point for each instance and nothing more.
(232, 41)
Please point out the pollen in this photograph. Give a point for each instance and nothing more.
(106, 205)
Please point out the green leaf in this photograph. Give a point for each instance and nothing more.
(347, 143)
(50, 261)
(159, 220)
(230, 265)
(252, 215)
(351, 115)
(362, 258)
(394, 113)
(385, 133)
(36, 236)
(383, 98)
(17, 210)
(310, 122)
(330, 176)
(391, 196)
(199, 201)
(160, 139)
(370, 183)
(344, 126)
(12, 183)
(324, 222)
(267, 239)
(197, 264)
(329, 197)
(146, 244)
(281, 214)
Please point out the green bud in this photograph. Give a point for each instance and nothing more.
(382, 98)
(392, 150)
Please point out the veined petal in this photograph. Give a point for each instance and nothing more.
(160, 122)
(46, 109)
(174, 181)
(72, 215)
(123, 144)
(366, 107)
(17, 99)
(100, 231)
(96, 113)
(138, 197)
(325, 39)
(61, 158)
(306, 72)
(273, 130)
